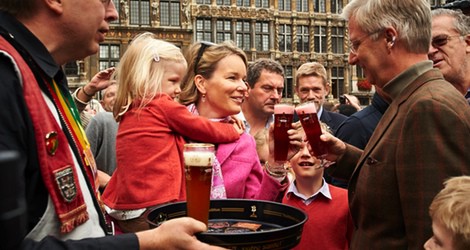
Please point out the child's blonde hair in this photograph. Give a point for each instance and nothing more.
(140, 71)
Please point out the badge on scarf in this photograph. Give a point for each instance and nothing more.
(52, 142)
(66, 183)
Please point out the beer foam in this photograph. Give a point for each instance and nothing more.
(283, 108)
(198, 159)
(306, 108)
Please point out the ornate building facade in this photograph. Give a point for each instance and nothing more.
(290, 31)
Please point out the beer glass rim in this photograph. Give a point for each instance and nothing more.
(199, 145)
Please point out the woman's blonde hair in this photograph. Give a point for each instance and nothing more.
(140, 71)
(203, 58)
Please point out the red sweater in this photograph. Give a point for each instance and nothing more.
(329, 224)
(149, 151)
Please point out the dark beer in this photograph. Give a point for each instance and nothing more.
(308, 118)
(198, 159)
(283, 115)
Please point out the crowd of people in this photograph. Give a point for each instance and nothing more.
(85, 172)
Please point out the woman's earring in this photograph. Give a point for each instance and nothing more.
(203, 97)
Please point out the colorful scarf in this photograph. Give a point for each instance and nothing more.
(55, 159)
(218, 187)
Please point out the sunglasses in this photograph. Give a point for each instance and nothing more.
(204, 46)
(441, 40)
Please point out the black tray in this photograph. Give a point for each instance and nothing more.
(281, 225)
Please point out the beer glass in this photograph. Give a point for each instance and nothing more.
(283, 116)
(198, 159)
(307, 113)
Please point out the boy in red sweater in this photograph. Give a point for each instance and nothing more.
(329, 224)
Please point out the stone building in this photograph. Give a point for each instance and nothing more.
(289, 31)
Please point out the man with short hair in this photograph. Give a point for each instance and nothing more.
(54, 204)
(450, 214)
(417, 143)
(108, 96)
(265, 78)
(450, 47)
(312, 85)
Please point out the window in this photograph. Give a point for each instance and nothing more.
(243, 3)
(224, 2)
(109, 56)
(71, 68)
(302, 5)
(262, 36)
(262, 3)
(243, 35)
(337, 81)
(287, 92)
(203, 30)
(285, 37)
(224, 31)
(139, 12)
(320, 6)
(320, 39)
(303, 39)
(337, 40)
(285, 5)
(336, 6)
(359, 72)
(203, 2)
(170, 12)
(117, 4)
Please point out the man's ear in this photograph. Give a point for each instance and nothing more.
(467, 41)
(200, 83)
(327, 88)
(55, 5)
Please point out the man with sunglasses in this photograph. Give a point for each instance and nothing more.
(450, 47)
(50, 200)
(417, 143)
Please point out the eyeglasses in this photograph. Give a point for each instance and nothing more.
(441, 40)
(354, 45)
(204, 46)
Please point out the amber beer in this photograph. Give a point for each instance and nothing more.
(283, 116)
(198, 159)
(307, 113)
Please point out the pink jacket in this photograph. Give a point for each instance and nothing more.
(243, 175)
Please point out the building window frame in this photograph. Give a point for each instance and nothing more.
(204, 29)
(243, 34)
(224, 30)
(262, 36)
(320, 39)
(170, 13)
(285, 37)
(109, 55)
(303, 38)
(320, 6)
(337, 40)
(139, 12)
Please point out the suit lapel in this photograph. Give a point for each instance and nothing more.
(225, 150)
(390, 115)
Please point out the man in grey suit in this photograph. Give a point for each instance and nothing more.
(417, 143)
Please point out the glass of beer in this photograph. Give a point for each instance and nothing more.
(283, 116)
(198, 159)
(307, 113)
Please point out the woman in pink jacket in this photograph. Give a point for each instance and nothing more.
(214, 87)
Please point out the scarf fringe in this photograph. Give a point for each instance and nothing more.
(69, 225)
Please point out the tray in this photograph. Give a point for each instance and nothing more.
(279, 225)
